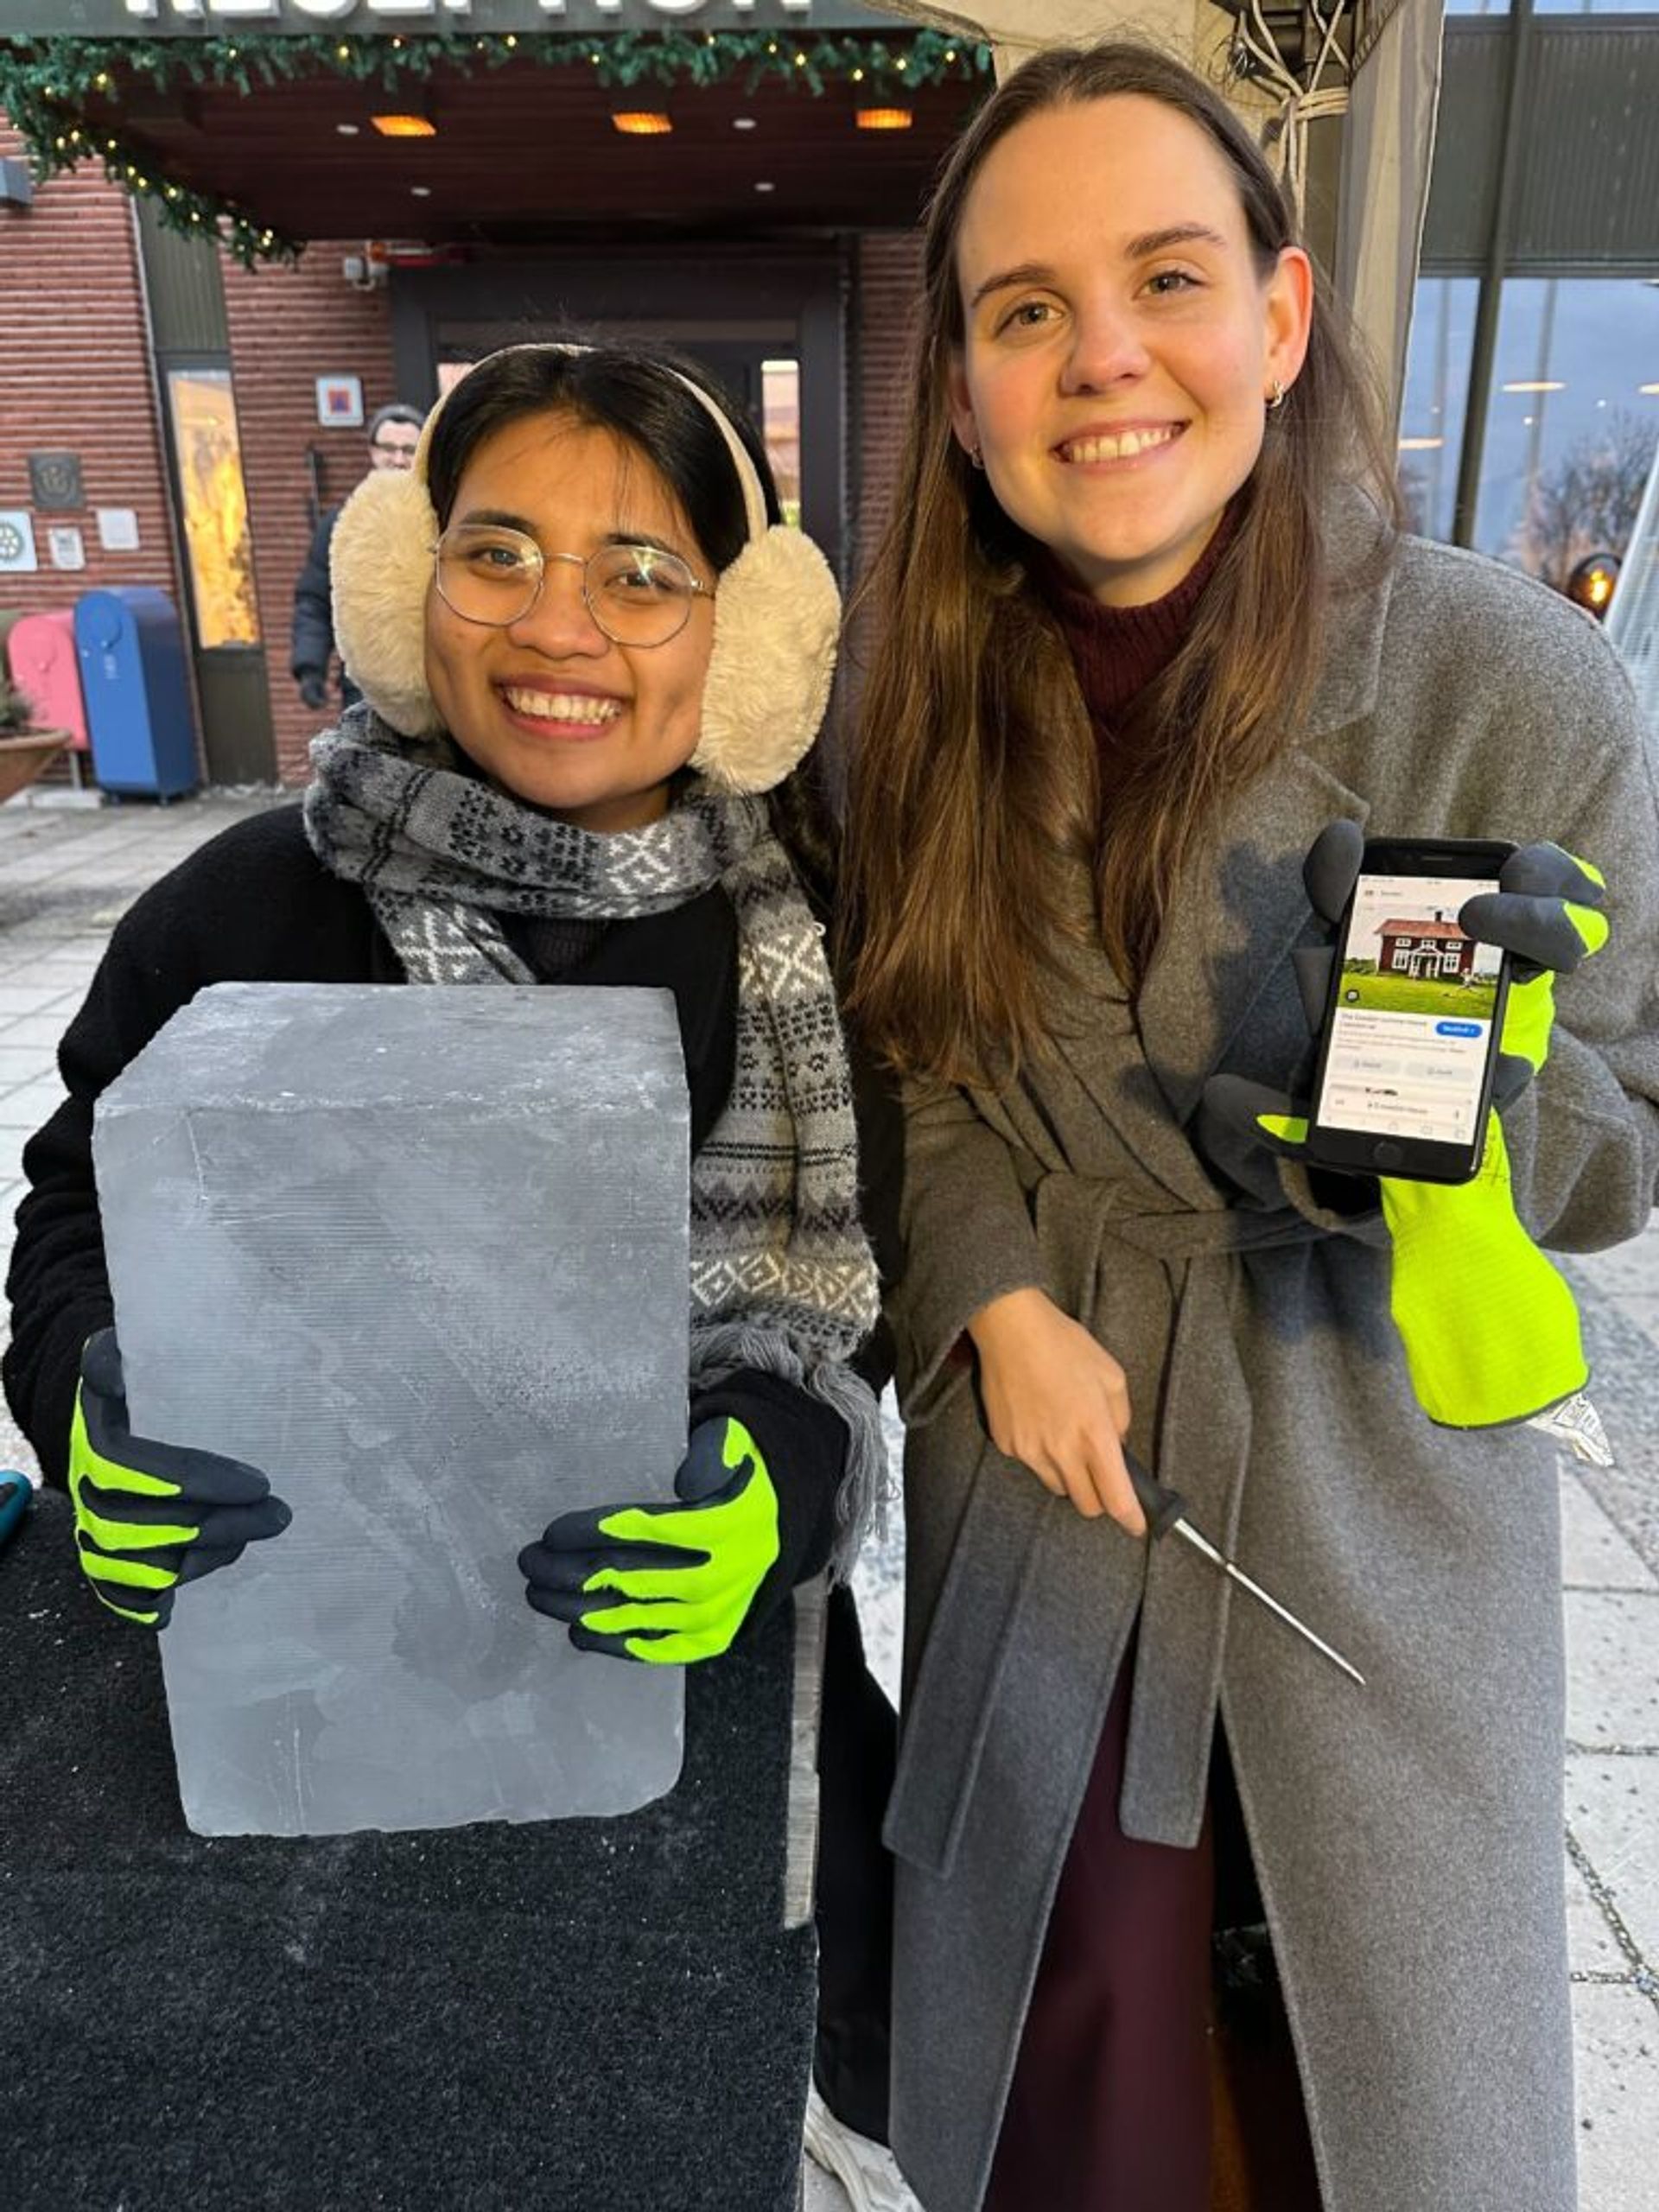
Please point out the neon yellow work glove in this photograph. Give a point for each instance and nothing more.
(150, 1516)
(1489, 1326)
(667, 1583)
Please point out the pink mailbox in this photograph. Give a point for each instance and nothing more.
(44, 669)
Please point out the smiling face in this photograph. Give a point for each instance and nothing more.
(550, 708)
(1121, 340)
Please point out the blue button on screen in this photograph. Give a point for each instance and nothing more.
(1458, 1028)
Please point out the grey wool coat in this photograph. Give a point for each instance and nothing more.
(1407, 1836)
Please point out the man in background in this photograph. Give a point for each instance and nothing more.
(394, 431)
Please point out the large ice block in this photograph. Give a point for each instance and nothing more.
(420, 1254)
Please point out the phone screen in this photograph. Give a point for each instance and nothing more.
(1412, 1019)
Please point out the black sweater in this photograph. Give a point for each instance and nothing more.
(256, 906)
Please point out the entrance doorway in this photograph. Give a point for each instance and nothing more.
(767, 326)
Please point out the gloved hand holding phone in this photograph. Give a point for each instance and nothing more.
(1490, 1328)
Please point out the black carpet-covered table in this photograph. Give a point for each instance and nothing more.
(581, 2015)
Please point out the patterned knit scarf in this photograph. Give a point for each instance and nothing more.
(782, 1276)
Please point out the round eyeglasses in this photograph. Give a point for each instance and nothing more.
(638, 595)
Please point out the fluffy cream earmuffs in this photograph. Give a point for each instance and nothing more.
(777, 615)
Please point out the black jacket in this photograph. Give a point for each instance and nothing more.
(312, 649)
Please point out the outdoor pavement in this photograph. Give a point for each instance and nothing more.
(66, 873)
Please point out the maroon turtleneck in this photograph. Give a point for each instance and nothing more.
(1118, 650)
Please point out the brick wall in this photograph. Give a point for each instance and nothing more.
(288, 326)
(888, 310)
(74, 376)
(886, 314)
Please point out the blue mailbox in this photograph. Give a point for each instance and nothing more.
(131, 650)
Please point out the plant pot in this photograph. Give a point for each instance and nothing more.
(22, 757)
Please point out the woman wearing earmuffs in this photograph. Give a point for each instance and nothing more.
(585, 649)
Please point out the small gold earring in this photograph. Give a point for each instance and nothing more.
(1276, 397)
(977, 457)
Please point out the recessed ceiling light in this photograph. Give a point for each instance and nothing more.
(1535, 383)
(420, 191)
(405, 126)
(642, 122)
(882, 118)
(761, 185)
(743, 123)
(1421, 445)
(348, 130)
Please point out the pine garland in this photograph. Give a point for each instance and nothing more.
(46, 85)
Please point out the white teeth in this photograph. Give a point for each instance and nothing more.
(563, 706)
(1124, 447)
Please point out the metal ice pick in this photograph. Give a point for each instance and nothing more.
(1166, 1509)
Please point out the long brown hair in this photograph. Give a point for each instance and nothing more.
(975, 778)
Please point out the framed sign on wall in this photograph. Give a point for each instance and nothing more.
(340, 403)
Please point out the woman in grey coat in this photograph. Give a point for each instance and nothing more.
(1147, 637)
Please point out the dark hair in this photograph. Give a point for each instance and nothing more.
(399, 410)
(637, 395)
(974, 772)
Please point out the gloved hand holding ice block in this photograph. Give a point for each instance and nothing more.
(392, 1246)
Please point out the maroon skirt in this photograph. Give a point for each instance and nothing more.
(1126, 2096)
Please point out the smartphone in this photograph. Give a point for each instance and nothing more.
(1415, 1013)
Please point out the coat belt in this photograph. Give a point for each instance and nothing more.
(1026, 1578)
(1204, 1450)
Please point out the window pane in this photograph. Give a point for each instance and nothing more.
(1437, 389)
(1590, 6)
(780, 410)
(1479, 7)
(1574, 421)
(215, 505)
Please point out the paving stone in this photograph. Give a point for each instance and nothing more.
(1592, 1946)
(1625, 1376)
(1615, 2034)
(1612, 1809)
(30, 1104)
(70, 971)
(1643, 1310)
(35, 1031)
(29, 998)
(21, 1064)
(1612, 1697)
(1594, 1555)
